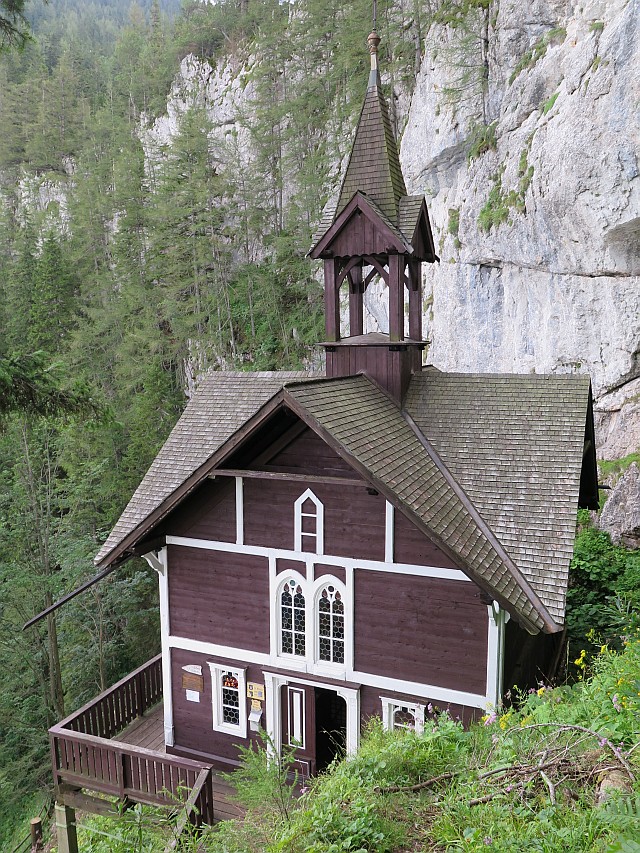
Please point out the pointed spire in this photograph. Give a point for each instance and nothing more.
(374, 164)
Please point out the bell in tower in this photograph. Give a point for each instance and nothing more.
(375, 231)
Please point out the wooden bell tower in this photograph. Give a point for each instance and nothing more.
(376, 230)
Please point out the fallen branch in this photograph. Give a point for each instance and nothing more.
(602, 740)
(395, 789)
(550, 786)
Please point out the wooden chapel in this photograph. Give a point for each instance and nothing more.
(384, 540)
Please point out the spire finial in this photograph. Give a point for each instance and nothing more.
(373, 40)
(375, 15)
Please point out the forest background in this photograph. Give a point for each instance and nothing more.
(140, 276)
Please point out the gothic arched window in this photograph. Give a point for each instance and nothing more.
(330, 625)
(292, 619)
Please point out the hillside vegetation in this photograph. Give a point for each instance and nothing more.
(558, 770)
(122, 281)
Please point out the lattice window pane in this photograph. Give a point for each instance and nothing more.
(325, 648)
(338, 627)
(403, 718)
(230, 699)
(292, 619)
(287, 642)
(330, 625)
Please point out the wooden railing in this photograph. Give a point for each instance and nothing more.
(84, 756)
(112, 711)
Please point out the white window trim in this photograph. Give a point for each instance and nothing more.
(282, 581)
(298, 533)
(301, 722)
(217, 669)
(324, 666)
(389, 707)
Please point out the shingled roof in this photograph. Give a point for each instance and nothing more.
(515, 445)
(486, 466)
(374, 165)
(222, 404)
(369, 431)
(374, 170)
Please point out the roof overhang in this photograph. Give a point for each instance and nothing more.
(361, 204)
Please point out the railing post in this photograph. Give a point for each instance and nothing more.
(121, 772)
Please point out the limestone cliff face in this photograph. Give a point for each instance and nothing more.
(539, 234)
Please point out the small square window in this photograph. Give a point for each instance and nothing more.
(397, 714)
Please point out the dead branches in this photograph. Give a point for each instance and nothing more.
(563, 759)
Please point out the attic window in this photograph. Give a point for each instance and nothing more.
(309, 524)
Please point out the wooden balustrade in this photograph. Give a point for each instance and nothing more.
(112, 711)
(84, 756)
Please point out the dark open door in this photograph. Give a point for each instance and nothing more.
(330, 727)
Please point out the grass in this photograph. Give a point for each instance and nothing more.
(615, 467)
(523, 778)
(14, 818)
(548, 104)
(482, 138)
(555, 36)
(453, 226)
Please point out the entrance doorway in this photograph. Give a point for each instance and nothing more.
(331, 727)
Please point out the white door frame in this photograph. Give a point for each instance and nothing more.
(273, 683)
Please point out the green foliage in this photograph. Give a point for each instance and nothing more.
(14, 29)
(499, 203)
(548, 104)
(554, 36)
(31, 385)
(456, 12)
(482, 138)
(495, 211)
(596, 26)
(613, 468)
(603, 578)
(453, 226)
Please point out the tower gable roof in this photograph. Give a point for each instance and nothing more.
(362, 240)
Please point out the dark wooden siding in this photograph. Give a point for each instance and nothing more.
(413, 547)
(193, 721)
(337, 571)
(354, 520)
(371, 706)
(291, 565)
(309, 454)
(391, 368)
(421, 629)
(219, 598)
(209, 514)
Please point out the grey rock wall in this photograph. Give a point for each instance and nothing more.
(555, 286)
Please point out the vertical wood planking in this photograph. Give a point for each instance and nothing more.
(396, 297)
(332, 301)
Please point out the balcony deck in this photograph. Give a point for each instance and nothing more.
(147, 732)
(115, 745)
